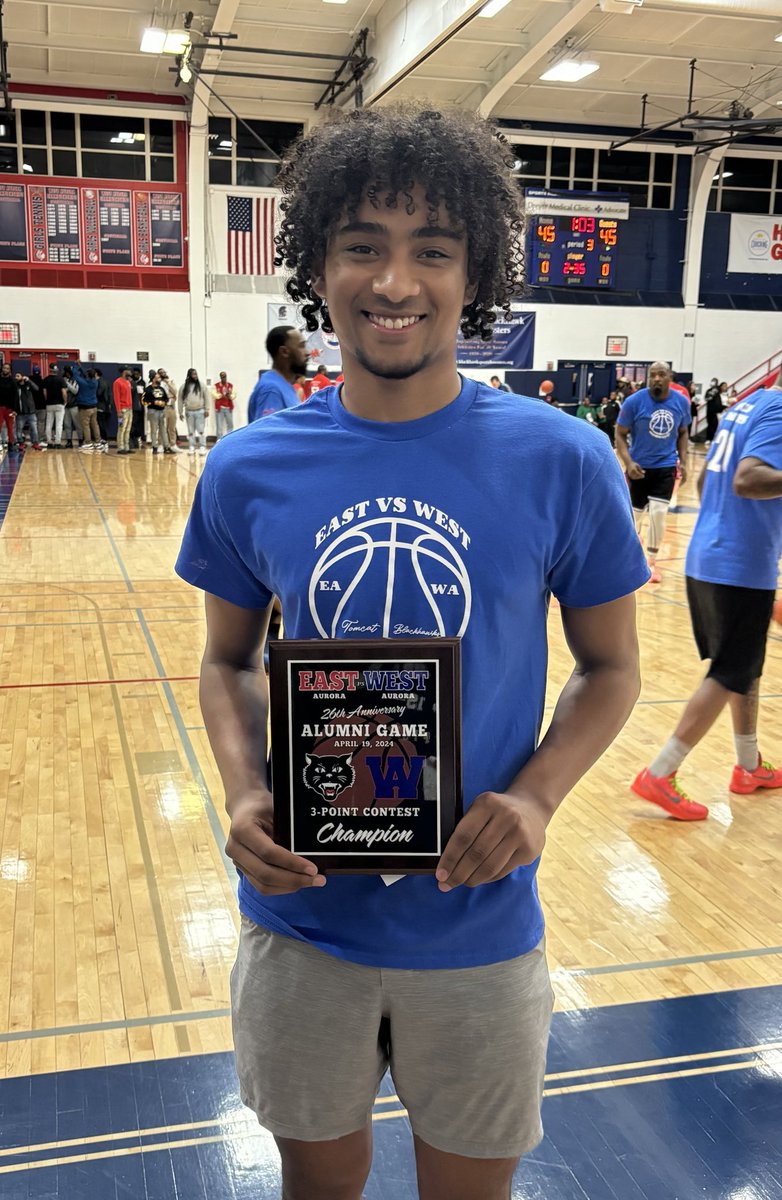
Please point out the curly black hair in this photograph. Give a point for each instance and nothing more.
(381, 154)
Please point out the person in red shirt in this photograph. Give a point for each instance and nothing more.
(123, 402)
(223, 396)
(318, 381)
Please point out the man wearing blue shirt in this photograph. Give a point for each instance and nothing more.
(731, 567)
(655, 422)
(274, 391)
(410, 502)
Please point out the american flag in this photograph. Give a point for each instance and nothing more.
(251, 235)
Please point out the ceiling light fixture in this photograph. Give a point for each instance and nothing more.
(225, 144)
(177, 41)
(492, 8)
(27, 167)
(153, 40)
(335, 1)
(778, 38)
(570, 70)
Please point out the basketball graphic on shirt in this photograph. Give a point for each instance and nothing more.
(661, 423)
(390, 577)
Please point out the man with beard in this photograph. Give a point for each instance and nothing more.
(274, 391)
(410, 498)
(651, 436)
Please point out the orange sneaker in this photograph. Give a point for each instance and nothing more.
(665, 791)
(745, 782)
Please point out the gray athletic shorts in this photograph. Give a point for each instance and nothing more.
(314, 1035)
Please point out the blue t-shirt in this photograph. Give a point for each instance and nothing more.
(654, 427)
(271, 394)
(738, 541)
(459, 524)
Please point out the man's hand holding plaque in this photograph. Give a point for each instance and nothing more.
(269, 867)
(497, 834)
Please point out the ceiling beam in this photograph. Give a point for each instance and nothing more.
(408, 32)
(542, 35)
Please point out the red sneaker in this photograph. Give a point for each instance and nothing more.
(655, 576)
(745, 782)
(665, 791)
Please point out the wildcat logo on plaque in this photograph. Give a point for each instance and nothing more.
(366, 751)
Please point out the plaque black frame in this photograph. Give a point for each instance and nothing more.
(390, 652)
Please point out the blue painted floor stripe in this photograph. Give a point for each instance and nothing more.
(644, 1128)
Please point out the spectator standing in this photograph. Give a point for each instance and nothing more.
(155, 402)
(171, 394)
(27, 419)
(137, 387)
(87, 406)
(586, 411)
(71, 422)
(123, 402)
(496, 382)
(105, 405)
(194, 409)
(9, 402)
(54, 391)
(40, 404)
(274, 391)
(319, 381)
(609, 417)
(223, 396)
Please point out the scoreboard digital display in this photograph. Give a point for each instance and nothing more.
(574, 251)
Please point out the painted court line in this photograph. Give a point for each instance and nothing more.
(99, 682)
(249, 1130)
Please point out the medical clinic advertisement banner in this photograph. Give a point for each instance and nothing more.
(755, 245)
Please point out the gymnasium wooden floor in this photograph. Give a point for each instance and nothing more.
(118, 922)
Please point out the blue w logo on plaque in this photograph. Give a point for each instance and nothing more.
(392, 577)
(394, 777)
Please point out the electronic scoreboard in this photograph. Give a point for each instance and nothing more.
(573, 251)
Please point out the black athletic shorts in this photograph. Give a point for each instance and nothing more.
(730, 626)
(657, 482)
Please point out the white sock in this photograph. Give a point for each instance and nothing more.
(670, 758)
(747, 754)
(638, 517)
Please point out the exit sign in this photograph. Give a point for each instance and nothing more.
(616, 345)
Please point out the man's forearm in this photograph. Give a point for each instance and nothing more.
(234, 704)
(592, 708)
(622, 448)
(760, 482)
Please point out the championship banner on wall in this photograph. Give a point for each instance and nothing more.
(511, 347)
(755, 245)
(79, 224)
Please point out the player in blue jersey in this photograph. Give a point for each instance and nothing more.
(651, 437)
(731, 567)
(274, 391)
(410, 502)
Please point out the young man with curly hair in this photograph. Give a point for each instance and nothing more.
(469, 507)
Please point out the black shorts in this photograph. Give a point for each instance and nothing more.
(656, 484)
(730, 626)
